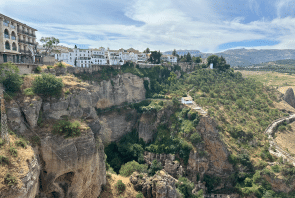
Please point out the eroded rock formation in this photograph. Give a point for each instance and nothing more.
(289, 97)
(161, 185)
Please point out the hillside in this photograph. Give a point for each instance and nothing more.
(247, 57)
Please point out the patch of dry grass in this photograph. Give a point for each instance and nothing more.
(286, 139)
(18, 166)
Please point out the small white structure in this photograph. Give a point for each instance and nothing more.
(169, 58)
(186, 100)
(211, 65)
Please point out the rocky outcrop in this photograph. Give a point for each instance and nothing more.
(73, 167)
(161, 185)
(168, 162)
(216, 161)
(112, 126)
(149, 121)
(31, 108)
(29, 183)
(279, 185)
(289, 97)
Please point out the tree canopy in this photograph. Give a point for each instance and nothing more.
(147, 50)
(155, 57)
(48, 43)
(218, 62)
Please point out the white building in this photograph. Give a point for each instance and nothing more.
(186, 100)
(115, 57)
(169, 58)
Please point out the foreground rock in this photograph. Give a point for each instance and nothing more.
(289, 97)
(73, 167)
(161, 185)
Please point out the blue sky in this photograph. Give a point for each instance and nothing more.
(205, 25)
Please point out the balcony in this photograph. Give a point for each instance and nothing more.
(6, 36)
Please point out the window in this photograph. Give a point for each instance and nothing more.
(6, 34)
(7, 45)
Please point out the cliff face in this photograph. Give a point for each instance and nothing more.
(216, 162)
(75, 167)
(289, 97)
(72, 167)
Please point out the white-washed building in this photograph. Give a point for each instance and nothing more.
(169, 58)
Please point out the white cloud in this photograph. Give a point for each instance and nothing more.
(167, 24)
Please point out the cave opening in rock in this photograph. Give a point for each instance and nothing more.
(65, 181)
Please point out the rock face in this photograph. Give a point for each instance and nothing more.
(112, 126)
(167, 161)
(161, 185)
(73, 167)
(289, 97)
(149, 122)
(30, 183)
(216, 162)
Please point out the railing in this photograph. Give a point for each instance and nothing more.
(14, 48)
(7, 47)
(6, 36)
(13, 38)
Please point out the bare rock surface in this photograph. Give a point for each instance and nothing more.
(73, 167)
(289, 97)
(161, 185)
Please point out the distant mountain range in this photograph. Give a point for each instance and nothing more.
(245, 57)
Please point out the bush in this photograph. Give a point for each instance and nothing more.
(12, 82)
(21, 143)
(139, 195)
(130, 167)
(47, 85)
(61, 65)
(211, 181)
(120, 186)
(67, 128)
(185, 187)
(10, 180)
(154, 167)
(4, 160)
(2, 142)
(38, 69)
(195, 138)
(13, 151)
(29, 92)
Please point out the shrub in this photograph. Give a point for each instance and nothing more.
(211, 181)
(13, 151)
(67, 128)
(47, 85)
(49, 67)
(120, 186)
(21, 143)
(154, 167)
(2, 142)
(185, 187)
(10, 180)
(275, 168)
(4, 160)
(195, 138)
(130, 167)
(61, 65)
(139, 195)
(38, 69)
(29, 92)
(12, 82)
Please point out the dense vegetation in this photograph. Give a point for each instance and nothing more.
(67, 128)
(47, 85)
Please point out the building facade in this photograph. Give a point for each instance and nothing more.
(169, 58)
(17, 41)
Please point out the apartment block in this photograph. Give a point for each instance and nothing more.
(17, 41)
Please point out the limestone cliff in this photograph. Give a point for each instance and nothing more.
(216, 161)
(72, 167)
(289, 97)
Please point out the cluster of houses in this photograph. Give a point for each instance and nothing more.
(18, 44)
(91, 57)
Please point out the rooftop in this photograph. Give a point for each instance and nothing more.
(10, 19)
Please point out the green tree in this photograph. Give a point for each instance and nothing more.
(76, 46)
(197, 59)
(174, 53)
(155, 57)
(47, 85)
(12, 82)
(147, 50)
(48, 43)
(218, 63)
(188, 57)
(172, 78)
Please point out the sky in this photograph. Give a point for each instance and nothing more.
(207, 25)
